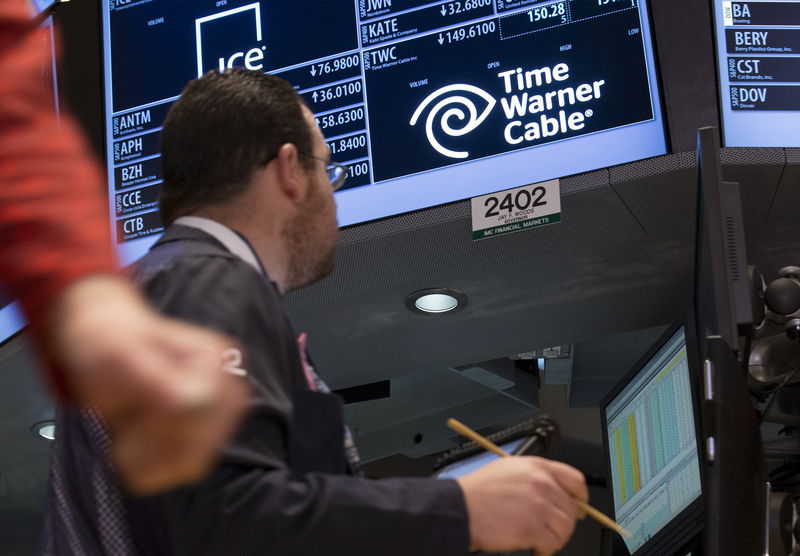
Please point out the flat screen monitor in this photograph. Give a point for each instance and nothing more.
(722, 285)
(758, 52)
(651, 445)
(734, 466)
(427, 102)
(11, 319)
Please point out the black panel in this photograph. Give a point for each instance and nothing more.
(683, 33)
(80, 74)
(366, 392)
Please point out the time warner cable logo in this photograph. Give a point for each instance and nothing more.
(537, 106)
(216, 33)
(458, 103)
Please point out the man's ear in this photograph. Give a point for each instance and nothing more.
(292, 176)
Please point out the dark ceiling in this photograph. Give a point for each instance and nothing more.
(620, 260)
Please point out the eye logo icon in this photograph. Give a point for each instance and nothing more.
(451, 103)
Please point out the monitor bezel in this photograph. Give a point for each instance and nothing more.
(683, 530)
(12, 313)
(734, 514)
(713, 7)
(668, 129)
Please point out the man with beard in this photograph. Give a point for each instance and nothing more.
(248, 201)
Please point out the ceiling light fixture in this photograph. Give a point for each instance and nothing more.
(45, 429)
(433, 301)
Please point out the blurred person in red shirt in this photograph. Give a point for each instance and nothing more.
(158, 384)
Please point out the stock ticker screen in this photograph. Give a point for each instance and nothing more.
(758, 47)
(427, 102)
(650, 428)
(11, 317)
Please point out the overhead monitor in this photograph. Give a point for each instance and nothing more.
(650, 438)
(427, 102)
(11, 319)
(758, 51)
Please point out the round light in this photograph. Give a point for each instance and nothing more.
(436, 303)
(45, 429)
(436, 300)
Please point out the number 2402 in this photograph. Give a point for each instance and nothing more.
(522, 200)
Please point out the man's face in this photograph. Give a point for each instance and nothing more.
(310, 235)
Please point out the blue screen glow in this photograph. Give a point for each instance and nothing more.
(758, 51)
(427, 102)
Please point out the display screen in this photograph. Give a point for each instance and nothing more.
(470, 464)
(427, 102)
(650, 428)
(11, 319)
(40, 5)
(758, 46)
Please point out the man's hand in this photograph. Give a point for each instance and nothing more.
(523, 503)
(158, 383)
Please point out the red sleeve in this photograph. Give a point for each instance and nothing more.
(53, 218)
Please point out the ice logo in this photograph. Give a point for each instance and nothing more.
(229, 39)
(456, 106)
